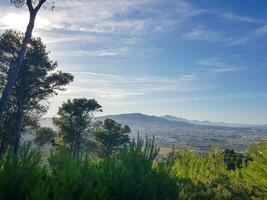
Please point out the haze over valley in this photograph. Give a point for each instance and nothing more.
(172, 131)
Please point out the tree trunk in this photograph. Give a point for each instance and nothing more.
(14, 69)
(4, 136)
(17, 132)
(3, 145)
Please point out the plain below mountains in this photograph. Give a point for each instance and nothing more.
(172, 131)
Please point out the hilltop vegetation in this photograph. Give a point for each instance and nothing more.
(132, 173)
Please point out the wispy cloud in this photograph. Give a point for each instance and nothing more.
(94, 53)
(187, 10)
(215, 65)
(204, 34)
(253, 35)
(110, 86)
(104, 93)
(261, 30)
(188, 98)
(132, 17)
(238, 18)
(188, 77)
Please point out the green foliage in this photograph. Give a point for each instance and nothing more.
(205, 177)
(234, 160)
(111, 135)
(255, 174)
(75, 178)
(75, 123)
(21, 174)
(132, 173)
(37, 81)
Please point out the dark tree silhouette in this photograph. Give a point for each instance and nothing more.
(17, 63)
(36, 82)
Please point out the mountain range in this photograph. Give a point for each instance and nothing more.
(172, 131)
(209, 123)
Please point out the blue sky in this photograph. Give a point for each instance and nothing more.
(203, 60)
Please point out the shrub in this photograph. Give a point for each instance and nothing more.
(132, 173)
(21, 174)
(205, 177)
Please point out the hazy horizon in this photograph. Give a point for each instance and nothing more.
(101, 114)
(203, 60)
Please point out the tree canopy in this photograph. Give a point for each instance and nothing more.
(111, 135)
(75, 123)
(37, 81)
(16, 65)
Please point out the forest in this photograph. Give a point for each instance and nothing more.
(89, 159)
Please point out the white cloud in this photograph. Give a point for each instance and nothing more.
(261, 30)
(186, 10)
(114, 27)
(225, 69)
(253, 35)
(188, 77)
(19, 20)
(102, 17)
(110, 86)
(238, 18)
(120, 89)
(94, 53)
(105, 93)
(131, 17)
(203, 34)
(215, 65)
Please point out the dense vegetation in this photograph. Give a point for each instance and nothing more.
(132, 173)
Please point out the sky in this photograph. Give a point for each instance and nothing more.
(204, 60)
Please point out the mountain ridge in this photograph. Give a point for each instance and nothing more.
(176, 132)
(192, 122)
(211, 123)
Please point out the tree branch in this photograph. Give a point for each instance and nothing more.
(41, 2)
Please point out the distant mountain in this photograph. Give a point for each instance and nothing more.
(200, 135)
(173, 131)
(209, 123)
(138, 118)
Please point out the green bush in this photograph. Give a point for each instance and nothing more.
(255, 174)
(21, 174)
(205, 177)
(132, 173)
(75, 178)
